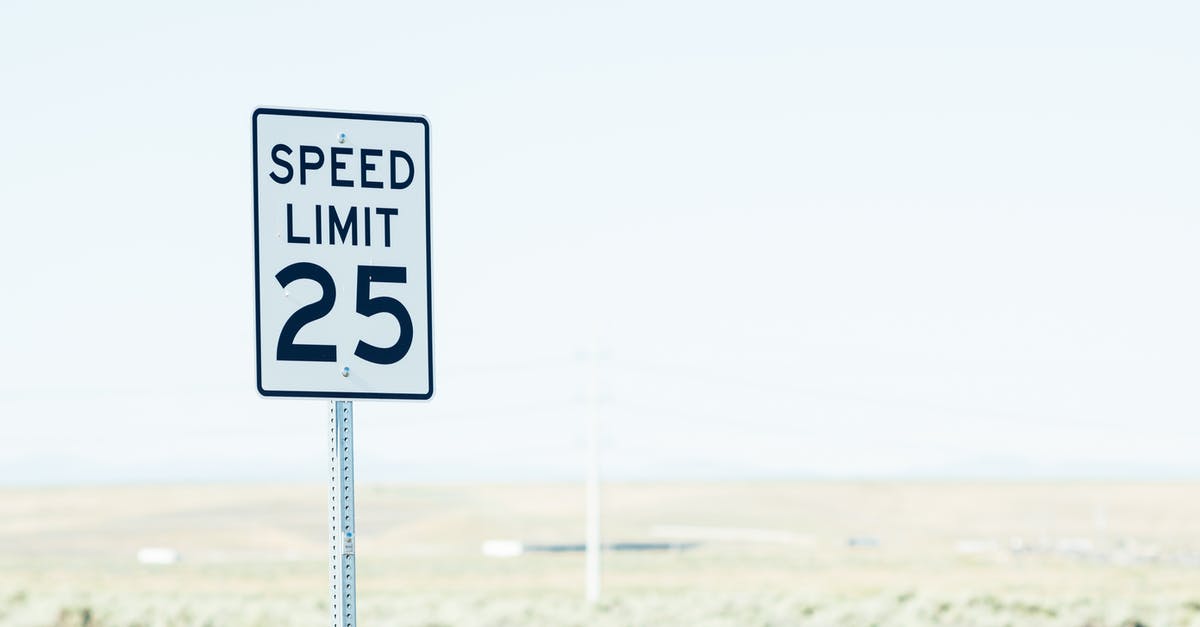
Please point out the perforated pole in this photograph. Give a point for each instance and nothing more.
(341, 513)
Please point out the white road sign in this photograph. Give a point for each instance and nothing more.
(341, 255)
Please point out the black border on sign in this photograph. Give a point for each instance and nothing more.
(308, 113)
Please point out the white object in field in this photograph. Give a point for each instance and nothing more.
(502, 548)
(342, 273)
(728, 534)
(592, 531)
(341, 513)
(157, 556)
(1076, 546)
(976, 547)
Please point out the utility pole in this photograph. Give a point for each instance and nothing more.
(593, 546)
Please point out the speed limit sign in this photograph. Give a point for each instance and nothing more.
(341, 255)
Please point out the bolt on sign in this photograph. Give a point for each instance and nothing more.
(342, 274)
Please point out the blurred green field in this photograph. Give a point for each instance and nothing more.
(1075, 554)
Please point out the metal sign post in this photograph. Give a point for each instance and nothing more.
(341, 513)
(343, 286)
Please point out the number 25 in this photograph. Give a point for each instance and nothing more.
(289, 350)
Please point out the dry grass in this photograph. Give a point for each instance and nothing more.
(948, 554)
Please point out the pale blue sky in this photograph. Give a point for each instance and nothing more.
(810, 239)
